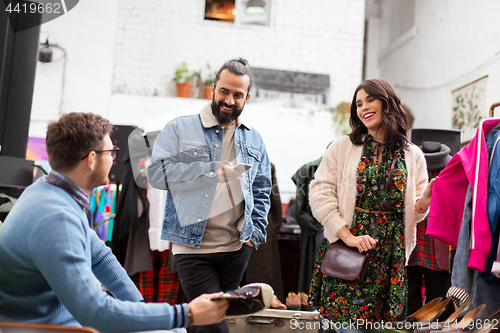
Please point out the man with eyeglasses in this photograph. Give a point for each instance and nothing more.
(53, 266)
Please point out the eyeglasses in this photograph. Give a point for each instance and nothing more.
(114, 152)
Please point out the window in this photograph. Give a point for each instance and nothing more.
(402, 18)
(401, 27)
(272, 83)
(220, 10)
(239, 12)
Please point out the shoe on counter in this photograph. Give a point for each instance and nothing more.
(293, 301)
(248, 299)
(276, 304)
(490, 324)
(304, 302)
(473, 317)
(438, 313)
(423, 310)
(454, 318)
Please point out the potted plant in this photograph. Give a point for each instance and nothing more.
(209, 80)
(341, 115)
(198, 84)
(182, 80)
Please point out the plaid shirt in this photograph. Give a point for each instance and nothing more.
(159, 285)
(59, 180)
(423, 254)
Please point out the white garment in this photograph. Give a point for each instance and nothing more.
(157, 200)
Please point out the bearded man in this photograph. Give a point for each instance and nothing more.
(215, 213)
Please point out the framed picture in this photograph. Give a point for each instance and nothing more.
(239, 12)
(469, 107)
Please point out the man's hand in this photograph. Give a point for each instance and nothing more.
(205, 311)
(226, 172)
(250, 243)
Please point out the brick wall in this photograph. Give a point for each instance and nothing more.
(155, 36)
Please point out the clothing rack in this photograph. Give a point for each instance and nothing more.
(492, 109)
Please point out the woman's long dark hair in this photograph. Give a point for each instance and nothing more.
(393, 115)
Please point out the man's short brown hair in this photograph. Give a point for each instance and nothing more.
(73, 136)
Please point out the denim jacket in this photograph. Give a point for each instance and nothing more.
(183, 162)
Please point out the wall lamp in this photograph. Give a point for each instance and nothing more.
(255, 7)
(45, 55)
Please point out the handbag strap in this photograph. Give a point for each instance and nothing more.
(389, 183)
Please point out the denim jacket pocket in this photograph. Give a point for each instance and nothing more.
(253, 157)
(194, 152)
(253, 152)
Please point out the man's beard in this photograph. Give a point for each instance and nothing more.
(223, 118)
(98, 177)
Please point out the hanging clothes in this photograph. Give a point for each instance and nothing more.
(311, 231)
(102, 203)
(132, 221)
(466, 284)
(493, 205)
(138, 254)
(100, 217)
(496, 265)
(157, 199)
(127, 215)
(159, 285)
(264, 264)
(111, 207)
(468, 166)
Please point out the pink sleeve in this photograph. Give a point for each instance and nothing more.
(481, 238)
(448, 199)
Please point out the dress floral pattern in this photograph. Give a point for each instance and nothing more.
(382, 295)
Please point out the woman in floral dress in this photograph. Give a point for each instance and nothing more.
(346, 195)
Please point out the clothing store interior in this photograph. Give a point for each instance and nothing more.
(146, 65)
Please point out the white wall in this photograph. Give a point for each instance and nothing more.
(155, 36)
(121, 53)
(87, 33)
(455, 43)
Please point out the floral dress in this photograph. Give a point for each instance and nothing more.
(382, 295)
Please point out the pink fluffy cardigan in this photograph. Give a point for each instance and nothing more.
(333, 191)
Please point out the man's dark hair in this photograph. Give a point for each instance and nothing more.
(238, 66)
(393, 114)
(73, 136)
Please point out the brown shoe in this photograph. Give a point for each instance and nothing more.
(293, 301)
(304, 302)
(276, 304)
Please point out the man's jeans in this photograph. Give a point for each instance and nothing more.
(211, 273)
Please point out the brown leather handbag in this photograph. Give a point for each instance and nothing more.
(343, 262)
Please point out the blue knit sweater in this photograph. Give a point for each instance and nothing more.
(50, 264)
